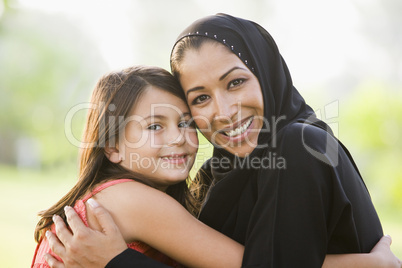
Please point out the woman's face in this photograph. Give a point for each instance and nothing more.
(224, 97)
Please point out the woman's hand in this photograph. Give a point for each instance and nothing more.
(83, 246)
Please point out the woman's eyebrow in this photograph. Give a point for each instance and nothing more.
(220, 79)
(228, 72)
(193, 89)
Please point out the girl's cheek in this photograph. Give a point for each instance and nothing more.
(154, 141)
(193, 139)
(196, 144)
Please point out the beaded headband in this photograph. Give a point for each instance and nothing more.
(223, 41)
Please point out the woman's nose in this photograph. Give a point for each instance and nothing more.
(225, 108)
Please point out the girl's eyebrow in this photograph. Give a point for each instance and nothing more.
(185, 114)
(159, 116)
(162, 117)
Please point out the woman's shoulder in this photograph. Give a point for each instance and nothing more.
(308, 140)
(308, 131)
(309, 148)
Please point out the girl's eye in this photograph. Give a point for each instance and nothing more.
(185, 124)
(236, 82)
(154, 127)
(200, 99)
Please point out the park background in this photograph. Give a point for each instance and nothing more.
(345, 58)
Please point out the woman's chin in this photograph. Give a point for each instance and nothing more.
(241, 151)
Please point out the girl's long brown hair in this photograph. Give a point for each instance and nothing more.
(113, 98)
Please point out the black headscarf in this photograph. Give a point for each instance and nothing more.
(258, 51)
(291, 215)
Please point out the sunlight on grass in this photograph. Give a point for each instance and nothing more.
(22, 195)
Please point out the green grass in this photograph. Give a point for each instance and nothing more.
(24, 193)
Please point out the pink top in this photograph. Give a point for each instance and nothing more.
(43, 247)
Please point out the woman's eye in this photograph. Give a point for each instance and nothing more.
(235, 82)
(200, 99)
(154, 127)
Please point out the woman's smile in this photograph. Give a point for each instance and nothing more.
(238, 128)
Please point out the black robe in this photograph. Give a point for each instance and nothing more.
(312, 201)
(293, 216)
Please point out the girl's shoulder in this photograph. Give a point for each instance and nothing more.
(102, 186)
(130, 203)
(127, 192)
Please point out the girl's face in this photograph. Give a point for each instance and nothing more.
(159, 145)
(224, 97)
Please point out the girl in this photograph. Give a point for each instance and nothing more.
(137, 140)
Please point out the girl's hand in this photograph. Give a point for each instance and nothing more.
(380, 256)
(382, 252)
(85, 247)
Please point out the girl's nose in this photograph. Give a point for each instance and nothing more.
(175, 137)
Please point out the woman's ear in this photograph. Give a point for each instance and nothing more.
(113, 154)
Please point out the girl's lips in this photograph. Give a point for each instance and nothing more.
(175, 158)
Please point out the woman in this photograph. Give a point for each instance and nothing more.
(279, 182)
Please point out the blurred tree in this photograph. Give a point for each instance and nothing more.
(5, 4)
(46, 66)
(372, 121)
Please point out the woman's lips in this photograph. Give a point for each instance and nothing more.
(239, 133)
(239, 129)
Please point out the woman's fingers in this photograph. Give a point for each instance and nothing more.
(62, 231)
(74, 221)
(85, 247)
(104, 218)
(55, 244)
(53, 263)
